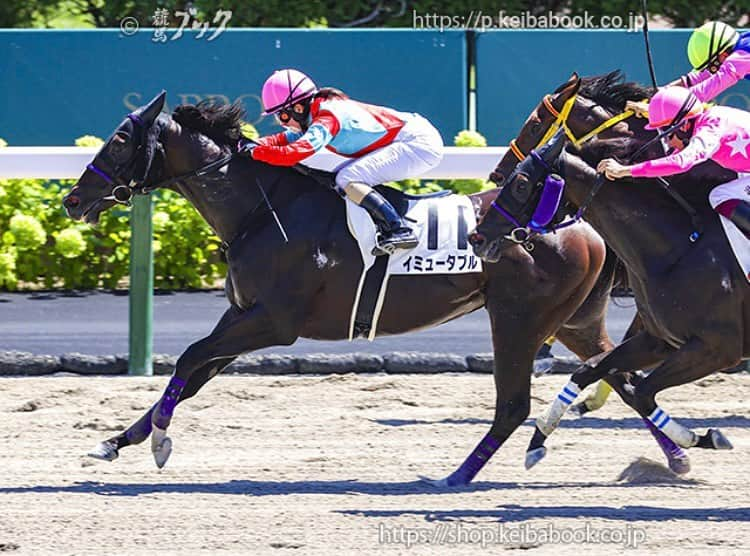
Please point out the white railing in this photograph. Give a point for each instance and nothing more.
(69, 162)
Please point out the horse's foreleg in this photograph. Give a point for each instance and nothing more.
(639, 352)
(240, 332)
(140, 430)
(512, 374)
(597, 399)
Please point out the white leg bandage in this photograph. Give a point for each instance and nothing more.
(682, 436)
(551, 418)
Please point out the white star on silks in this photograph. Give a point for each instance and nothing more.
(739, 146)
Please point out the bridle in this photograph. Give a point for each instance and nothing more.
(522, 234)
(561, 121)
(123, 193)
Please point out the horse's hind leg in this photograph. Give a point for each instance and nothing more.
(240, 332)
(589, 341)
(691, 362)
(639, 352)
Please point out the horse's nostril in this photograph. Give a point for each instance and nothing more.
(476, 239)
(71, 201)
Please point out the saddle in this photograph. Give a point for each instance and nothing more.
(398, 199)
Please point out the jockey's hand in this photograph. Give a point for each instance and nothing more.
(639, 108)
(613, 169)
(676, 83)
(246, 148)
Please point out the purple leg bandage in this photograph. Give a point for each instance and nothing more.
(670, 449)
(474, 463)
(165, 408)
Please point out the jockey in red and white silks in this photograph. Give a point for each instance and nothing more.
(384, 144)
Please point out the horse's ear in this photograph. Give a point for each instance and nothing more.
(576, 82)
(571, 85)
(151, 111)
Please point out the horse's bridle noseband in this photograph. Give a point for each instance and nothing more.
(121, 193)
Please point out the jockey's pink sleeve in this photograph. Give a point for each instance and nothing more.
(704, 143)
(707, 85)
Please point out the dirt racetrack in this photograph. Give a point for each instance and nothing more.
(329, 464)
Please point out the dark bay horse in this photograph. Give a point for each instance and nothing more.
(582, 122)
(691, 295)
(278, 290)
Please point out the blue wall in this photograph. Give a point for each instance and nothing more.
(59, 85)
(515, 69)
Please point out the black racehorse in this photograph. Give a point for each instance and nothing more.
(279, 290)
(690, 292)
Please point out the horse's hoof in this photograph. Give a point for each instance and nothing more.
(106, 451)
(579, 410)
(542, 366)
(680, 466)
(161, 446)
(437, 483)
(448, 482)
(719, 441)
(535, 456)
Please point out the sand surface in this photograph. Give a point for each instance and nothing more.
(328, 465)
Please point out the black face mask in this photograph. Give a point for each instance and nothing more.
(299, 112)
(686, 134)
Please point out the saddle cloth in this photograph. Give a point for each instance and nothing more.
(738, 240)
(441, 224)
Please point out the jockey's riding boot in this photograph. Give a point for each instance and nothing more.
(394, 233)
(741, 217)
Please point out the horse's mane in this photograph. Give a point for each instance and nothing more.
(612, 91)
(220, 122)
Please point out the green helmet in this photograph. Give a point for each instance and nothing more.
(708, 41)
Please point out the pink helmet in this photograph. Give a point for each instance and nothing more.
(285, 87)
(671, 105)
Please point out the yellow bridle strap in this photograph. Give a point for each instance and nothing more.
(604, 126)
(561, 119)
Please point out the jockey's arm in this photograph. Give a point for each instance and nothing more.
(707, 86)
(280, 139)
(701, 148)
(321, 132)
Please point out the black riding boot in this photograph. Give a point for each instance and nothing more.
(741, 217)
(393, 231)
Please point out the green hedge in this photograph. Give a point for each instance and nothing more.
(40, 247)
